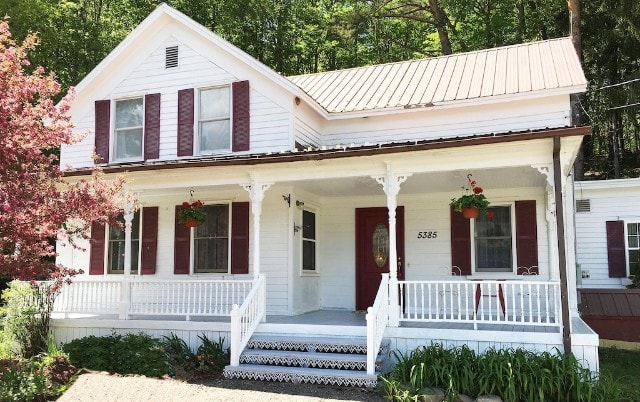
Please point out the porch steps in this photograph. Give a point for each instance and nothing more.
(340, 361)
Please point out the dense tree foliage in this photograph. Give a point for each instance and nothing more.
(36, 204)
(305, 36)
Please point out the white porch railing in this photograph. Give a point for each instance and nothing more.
(377, 320)
(514, 302)
(152, 297)
(245, 319)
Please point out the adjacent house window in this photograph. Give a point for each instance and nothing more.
(494, 241)
(308, 241)
(633, 244)
(128, 132)
(117, 243)
(214, 120)
(211, 241)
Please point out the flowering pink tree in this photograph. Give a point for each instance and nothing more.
(36, 204)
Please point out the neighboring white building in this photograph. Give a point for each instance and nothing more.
(298, 175)
(607, 231)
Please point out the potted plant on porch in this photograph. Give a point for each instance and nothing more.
(191, 214)
(472, 202)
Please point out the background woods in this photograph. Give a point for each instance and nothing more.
(306, 36)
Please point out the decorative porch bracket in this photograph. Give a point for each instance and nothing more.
(256, 194)
(550, 215)
(125, 296)
(391, 182)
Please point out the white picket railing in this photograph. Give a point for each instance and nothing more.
(152, 297)
(245, 319)
(91, 297)
(188, 298)
(377, 320)
(516, 302)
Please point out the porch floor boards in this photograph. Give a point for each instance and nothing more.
(353, 319)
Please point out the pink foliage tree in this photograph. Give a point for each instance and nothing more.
(37, 205)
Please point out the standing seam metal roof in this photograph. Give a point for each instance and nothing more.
(515, 69)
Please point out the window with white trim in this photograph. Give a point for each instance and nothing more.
(214, 120)
(308, 241)
(115, 248)
(493, 241)
(128, 131)
(633, 244)
(211, 241)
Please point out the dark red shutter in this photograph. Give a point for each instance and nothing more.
(152, 126)
(102, 129)
(182, 247)
(240, 238)
(149, 240)
(185, 122)
(96, 256)
(240, 125)
(616, 249)
(460, 244)
(526, 238)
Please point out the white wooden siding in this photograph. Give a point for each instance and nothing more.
(611, 200)
(448, 123)
(270, 123)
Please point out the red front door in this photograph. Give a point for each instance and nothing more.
(372, 251)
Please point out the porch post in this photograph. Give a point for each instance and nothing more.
(550, 215)
(256, 194)
(125, 294)
(391, 186)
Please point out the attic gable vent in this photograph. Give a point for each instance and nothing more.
(171, 57)
(583, 205)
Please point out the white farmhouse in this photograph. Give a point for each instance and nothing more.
(328, 225)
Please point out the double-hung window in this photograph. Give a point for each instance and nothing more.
(308, 241)
(211, 241)
(117, 244)
(214, 120)
(493, 241)
(128, 131)
(633, 244)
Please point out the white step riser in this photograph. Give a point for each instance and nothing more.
(299, 375)
(293, 361)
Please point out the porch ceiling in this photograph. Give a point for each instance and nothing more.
(514, 177)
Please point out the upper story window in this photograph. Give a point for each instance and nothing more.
(211, 241)
(493, 241)
(308, 241)
(128, 131)
(214, 120)
(116, 246)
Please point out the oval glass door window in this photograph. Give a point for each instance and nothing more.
(380, 243)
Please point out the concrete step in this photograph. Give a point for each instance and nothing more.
(340, 361)
(348, 378)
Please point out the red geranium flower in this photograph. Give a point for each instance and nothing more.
(477, 190)
(186, 204)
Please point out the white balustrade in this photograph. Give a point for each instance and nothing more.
(245, 319)
(152, 297)
(377, 320)
(515, 302)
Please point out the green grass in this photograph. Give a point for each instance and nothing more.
(624, 367)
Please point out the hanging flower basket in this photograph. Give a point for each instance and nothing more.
(470, 212)
(472, 202)
(191, 214)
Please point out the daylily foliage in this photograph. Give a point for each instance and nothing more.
(36, 204)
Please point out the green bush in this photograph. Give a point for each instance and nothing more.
(25, 318)
(513, 374)
(128, 354)
(212, 355)
(22, 381)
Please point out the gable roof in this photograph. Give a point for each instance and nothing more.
(522, 69)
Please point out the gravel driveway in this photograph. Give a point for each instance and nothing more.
(105, 387)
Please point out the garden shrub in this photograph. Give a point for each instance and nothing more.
(22, 381)
(25, 318)
(123, 354)
(513, 374)
(212, 355)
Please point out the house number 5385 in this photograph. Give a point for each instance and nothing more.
(427, 235)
